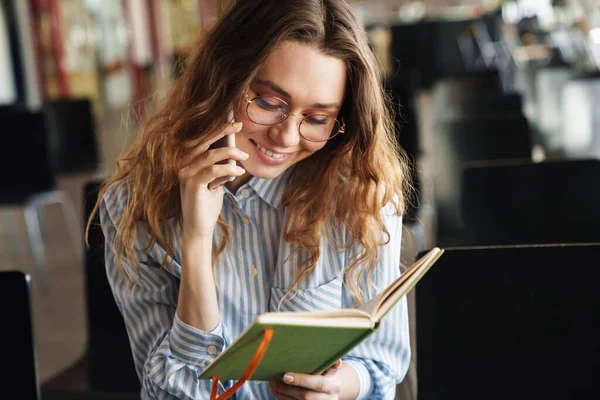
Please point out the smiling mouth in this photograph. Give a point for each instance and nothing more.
(269, 153)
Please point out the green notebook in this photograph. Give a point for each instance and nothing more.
(311, 342)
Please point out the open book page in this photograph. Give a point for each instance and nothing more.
(360, 316)
(384, 301)
(346, 318)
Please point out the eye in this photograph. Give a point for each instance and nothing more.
(269, 103)
(318, 119)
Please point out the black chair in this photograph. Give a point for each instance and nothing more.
(430, 50)
(407, 135)
(108, 343)
(510, 323)
(106, 371)
(16, 335)
(459, 142)
(531, 203)
(413, 45)
(28, 179)
(72, 131)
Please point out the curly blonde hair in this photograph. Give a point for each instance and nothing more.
(347, 183)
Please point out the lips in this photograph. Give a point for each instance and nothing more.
(271, 154)
(276, 156)
(268, 156)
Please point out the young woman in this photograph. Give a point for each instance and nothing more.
(311, 221)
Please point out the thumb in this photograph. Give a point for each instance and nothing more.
(333, 369)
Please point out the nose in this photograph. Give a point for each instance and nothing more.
(286, 133)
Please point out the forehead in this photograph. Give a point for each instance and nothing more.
(305, 73)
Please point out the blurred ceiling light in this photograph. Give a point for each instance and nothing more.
(412, 11)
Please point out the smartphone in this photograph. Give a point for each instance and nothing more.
(228, 141)
(231, 143)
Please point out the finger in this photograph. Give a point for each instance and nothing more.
(292, 392)
(218, 182)
(231, 128)
(213, 186)
(317, 383)
(333, 369)
(223, 155)
(214, 156)
(211, 157)
(216, 171)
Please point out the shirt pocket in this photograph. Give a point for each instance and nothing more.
(327, 296)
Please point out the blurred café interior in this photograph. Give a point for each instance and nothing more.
(496, 105)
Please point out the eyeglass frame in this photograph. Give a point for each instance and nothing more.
(249, 101)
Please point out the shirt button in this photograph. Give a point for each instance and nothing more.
(253, 272)
(212, 350)
(245, 220)
(245, 193)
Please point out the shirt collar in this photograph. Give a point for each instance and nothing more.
(271, 190)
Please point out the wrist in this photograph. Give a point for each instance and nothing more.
(197, 242)
(196, 255)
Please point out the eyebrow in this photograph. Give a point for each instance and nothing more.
(273, 86)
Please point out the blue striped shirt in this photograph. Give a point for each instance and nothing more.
(252, 278)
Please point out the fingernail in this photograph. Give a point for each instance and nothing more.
(245, 155)
(241, 170)
(236, 124)
(287, 378)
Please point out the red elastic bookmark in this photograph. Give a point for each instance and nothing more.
(252, 365)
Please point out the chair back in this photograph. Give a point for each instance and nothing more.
(16, 335)
(111, 367)
(460, 142)
(531, 203)
(515, 323)
(26, 167)
(72, 127)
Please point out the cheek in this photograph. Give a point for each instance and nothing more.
(240, 113)
(312, 147)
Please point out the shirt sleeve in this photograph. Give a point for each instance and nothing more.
(168, 354)
(382, 360)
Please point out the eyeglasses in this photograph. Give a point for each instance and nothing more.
(271, 111)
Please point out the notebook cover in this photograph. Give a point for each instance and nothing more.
(302, 349)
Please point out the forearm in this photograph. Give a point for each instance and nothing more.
(197, 304)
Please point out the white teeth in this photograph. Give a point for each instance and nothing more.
(269, 153)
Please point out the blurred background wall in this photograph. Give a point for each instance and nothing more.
(120, 53)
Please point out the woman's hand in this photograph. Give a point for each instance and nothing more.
(200, 206)
(303, 386)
